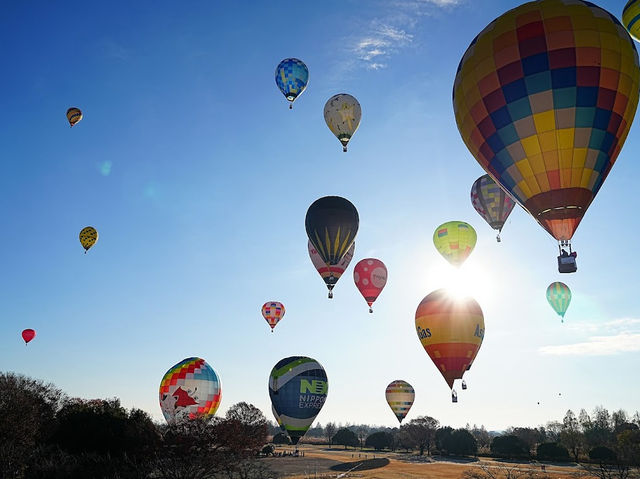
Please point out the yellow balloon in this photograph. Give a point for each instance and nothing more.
(74, 115)
(455, 241)
(88, 237)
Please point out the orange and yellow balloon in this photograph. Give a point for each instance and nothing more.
(74, 115)
(451, 331)
(544, 98)
(455, 241)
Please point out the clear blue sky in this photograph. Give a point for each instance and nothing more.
(198, 178)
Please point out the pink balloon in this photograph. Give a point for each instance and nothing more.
(370, 276)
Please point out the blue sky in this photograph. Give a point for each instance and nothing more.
(198, 178)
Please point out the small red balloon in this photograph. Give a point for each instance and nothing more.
(370, 276)
(28, 335)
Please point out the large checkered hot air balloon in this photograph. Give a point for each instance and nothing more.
(491, 202)
(292, 76)
(544, 98)
(451, 331)
(189, 390)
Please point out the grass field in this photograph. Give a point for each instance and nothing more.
(324, 462)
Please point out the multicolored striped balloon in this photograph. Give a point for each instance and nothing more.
(455, 241)
(631, 18)
(298, 388)
(273, 311)
(292, 77)
(400, 396)
(74, 115)
(451, 331)
(370, 276)
(559, 297)
(188, 390)
(491, 202)
(544, 98)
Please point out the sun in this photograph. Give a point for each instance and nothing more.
(473, 279)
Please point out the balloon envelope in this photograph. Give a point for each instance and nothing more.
(559, 297)
(88, 237)
(74, 115)
(342, 113)
(400, 396)
(28, 335)
(370, 276)
(631, 18)
(330, 274)
(273, 311)
(188, 390)
(298, 389)
(455, 241)
(292, 76)
(491, 202)
(544, 98)
(332, 224)
(451, 332)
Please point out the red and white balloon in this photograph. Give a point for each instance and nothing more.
(370, 276)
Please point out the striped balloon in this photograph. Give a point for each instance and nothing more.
(631, 18)
(330, 273)
(491, 202)
(298, 388)
(455, 241)
(188, 390)
(400, 396)
(74, 115)
(273, 311)
(559, 297)
(451, 332)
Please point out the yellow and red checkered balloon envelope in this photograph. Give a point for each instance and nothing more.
(544, 98)
(451, 331)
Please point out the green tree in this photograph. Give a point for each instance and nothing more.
(462, 443)
(345, 437)
(509, 446)
(552, 451)
(422, 431)
(379, 440)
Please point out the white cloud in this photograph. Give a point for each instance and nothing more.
(623, 337)
(381, 42)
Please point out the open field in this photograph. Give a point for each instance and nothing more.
(324, 462)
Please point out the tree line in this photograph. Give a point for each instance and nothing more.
(45, 434)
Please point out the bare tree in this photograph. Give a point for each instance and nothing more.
(329, 431)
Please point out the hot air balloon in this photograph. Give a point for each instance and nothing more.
(332, 224)
(451, 332)
(292, 76)
(631, 17)
(370, 276)
(400, 396)
(28, 335)
(188, 390)
(544, 98)
(273, 311)
(330, 273)
(74, 115)
(275, 414)
(491, 202)
(88, 237)
(559, 297)
(455, 241)
(298, 389)
(342, 113)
